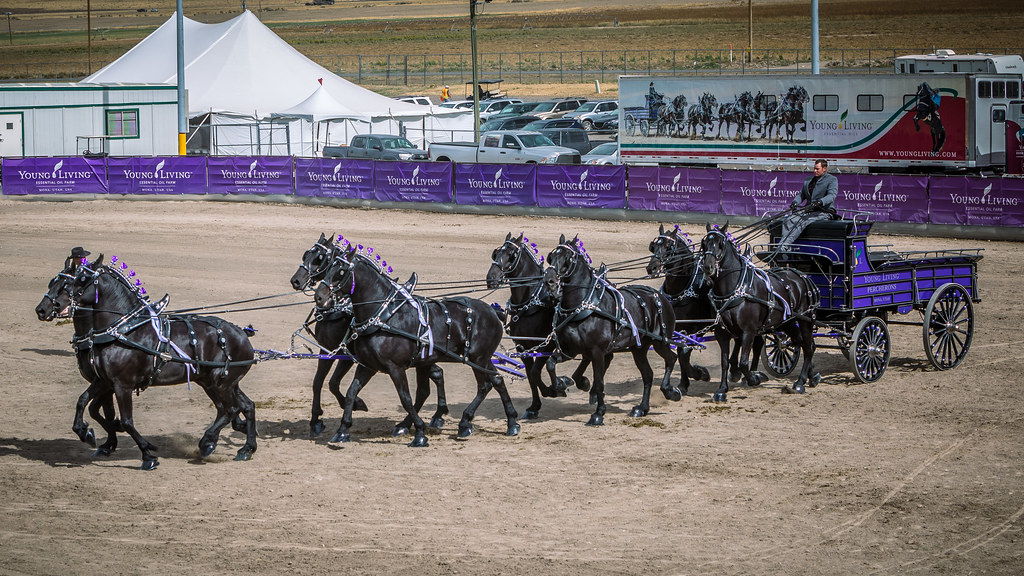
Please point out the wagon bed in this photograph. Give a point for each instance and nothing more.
(862, 284)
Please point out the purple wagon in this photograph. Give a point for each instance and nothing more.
(863, 285)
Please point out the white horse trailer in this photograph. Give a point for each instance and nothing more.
(934, 121)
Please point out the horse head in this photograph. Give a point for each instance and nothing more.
(564, 262)
(339, 273)
(716, 248)
(315, 262)
(670, 252)
(507, 261)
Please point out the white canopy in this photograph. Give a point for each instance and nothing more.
(242, 68)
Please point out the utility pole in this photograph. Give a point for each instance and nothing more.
(182, 104)
(750, 29)
(815, 68)
(476, 85)
(88, 32)
(10, 36)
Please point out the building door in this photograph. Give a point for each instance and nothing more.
(11, 135)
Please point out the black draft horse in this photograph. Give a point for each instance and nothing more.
(329, 330)
(595, 320)
(689, 290)
(531, 311)
(751, 302)
(131, 346)
(393, 330)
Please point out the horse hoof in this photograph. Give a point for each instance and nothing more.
(583, 384)
(206, 449)
(316, 428)
(359, 405)
(150, 464)
(465, 430)
(513, 430)
(244, 455)
(340, 437)
(672, 394)
(437, 422)
(531, 415)
(719, 397)
(418, 442)
(400, 431)
(637, 412)
(735, 376)
(796, 389)
(596, 420)
(702, 374)
(756, 379)
(814, 380)
(102, 451)
(562, 384)
(90, 438)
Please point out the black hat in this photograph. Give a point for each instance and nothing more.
(79, 252)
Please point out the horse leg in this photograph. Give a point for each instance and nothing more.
(483, 386)
(401, 381)
(664, 349)
(533, 368)
(334, 384)
(801, 334)
(108, 421)
(599, 362)
(559, 384)
(78, 425)
(756, 378)
(512, 427)
(422, 393)
(647, 376)
(123, 394)
(243, 404)
(363, 375)
(724, 340)
(436, 375)
(316, 425)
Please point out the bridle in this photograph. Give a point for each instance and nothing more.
(323, 256)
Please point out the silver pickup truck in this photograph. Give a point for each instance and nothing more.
(377, 147)
(505, 147)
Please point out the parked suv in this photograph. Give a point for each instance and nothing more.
(553, 123)
(489, 108)
(575, 138)
(556, 108)
(585, 113)
(502, 122)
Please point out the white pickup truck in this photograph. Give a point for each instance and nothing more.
(505, 147)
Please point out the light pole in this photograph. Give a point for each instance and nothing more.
(476, 86)
(10, 36)
(88, 31)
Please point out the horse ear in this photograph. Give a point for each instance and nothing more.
(521, 236)
(508, 237)
(561, 239)
(661, 229)
(725, 227)
(352, 250)
(323, 238)
(98, 261)
(707, 226)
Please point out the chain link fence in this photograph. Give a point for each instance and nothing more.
(551, 67)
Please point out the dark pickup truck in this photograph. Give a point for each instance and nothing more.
(377, 147)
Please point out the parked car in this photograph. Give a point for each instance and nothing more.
(377, 147)
(604, 122)
(491, 107)
(553, 123)
(575, 138)
(458, 104)
(505, 147)
(606, 154)
(501, 122)
(421, 100)
(588, 110)
(556, 108)
(517, 109)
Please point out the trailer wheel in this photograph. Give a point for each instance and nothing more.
(645, 127)
(948, 326)
(870, 349)
(779, 356)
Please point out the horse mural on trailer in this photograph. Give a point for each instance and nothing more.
(791, 111)
(671, 118)
(594, 319)
(530, 314)
(330, 328)
(393, 330)
(751, 302)
(701, 114)
(130, 345)
(738, 112)
(927, 110)
(766, 112)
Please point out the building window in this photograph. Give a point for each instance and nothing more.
(1012, 90)
(984, 89)
(999, 90)
(870, 103)
(123, 123)
(826, 102)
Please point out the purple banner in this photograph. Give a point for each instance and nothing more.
(413, 181)
(157, 175)
(972, 201)
(334, 178)
(586, 186)
(675, 189)
(496, 184)
(887, 197)
(759, 193)
(250, 174)
(71, 175)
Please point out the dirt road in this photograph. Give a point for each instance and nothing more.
(919, 473)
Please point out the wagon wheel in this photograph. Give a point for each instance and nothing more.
(948, 326)
(645, 127)
(870, 349)
(630, 125)
(779, 355)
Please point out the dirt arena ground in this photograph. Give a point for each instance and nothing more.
(919, 473)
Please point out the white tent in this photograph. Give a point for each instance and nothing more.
(239, 73)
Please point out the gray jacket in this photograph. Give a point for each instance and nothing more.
(825, 190)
